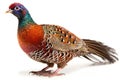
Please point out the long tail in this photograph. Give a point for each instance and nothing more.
(100, 50)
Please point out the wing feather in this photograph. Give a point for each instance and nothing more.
(61, 39)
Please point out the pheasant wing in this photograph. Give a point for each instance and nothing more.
(61, 39)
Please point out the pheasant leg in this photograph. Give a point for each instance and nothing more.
(43, 72)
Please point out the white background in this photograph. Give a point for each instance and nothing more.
(92, 19)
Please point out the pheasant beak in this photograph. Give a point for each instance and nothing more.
(9, 11)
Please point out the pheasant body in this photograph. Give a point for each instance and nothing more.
(39, 42)
(52, 44)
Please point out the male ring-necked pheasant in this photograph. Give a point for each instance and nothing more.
(52, 44)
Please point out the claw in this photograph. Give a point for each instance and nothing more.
(41, 72)
(48, 73)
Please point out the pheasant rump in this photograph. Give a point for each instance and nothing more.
(53, 44)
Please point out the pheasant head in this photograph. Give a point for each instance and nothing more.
(21, 13)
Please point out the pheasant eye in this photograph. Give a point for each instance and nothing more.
(17, 8)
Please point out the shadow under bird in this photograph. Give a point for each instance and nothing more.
(53, 44)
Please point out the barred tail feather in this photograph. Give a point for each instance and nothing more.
(100, 50)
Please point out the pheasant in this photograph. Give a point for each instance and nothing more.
(53, 44)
